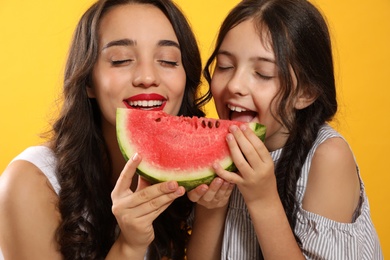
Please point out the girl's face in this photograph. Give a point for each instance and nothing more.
(245, 81)
(139, 62)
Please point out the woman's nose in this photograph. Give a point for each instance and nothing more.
(145, 75)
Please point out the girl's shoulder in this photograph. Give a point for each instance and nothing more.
(333, 184)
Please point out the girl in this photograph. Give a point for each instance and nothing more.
(71, 198)
(299, 195)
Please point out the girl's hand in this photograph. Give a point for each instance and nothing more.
(256, 177)
(214, 196)
(136, 211)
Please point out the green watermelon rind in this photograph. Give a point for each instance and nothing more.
(188, 180)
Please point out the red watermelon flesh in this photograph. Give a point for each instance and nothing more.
(176, 147)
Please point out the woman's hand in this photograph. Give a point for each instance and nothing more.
(136, 211)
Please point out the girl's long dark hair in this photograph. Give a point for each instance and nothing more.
(300, 40)
(88, 228)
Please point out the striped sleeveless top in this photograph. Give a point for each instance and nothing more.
(321, 238)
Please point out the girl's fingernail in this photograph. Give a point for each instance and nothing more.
(229, 137)
(233, 128)
(243, 127)
(135, 157)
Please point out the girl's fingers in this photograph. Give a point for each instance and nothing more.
(122, 186)
(196, 194)
(230, 177)
(240, 148)
(214, 187)
(258, 145)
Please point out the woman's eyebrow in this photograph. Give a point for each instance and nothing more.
(168, 43)
(121, 42)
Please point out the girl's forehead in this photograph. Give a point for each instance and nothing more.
(247, 39)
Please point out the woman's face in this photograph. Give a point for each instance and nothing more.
(245, 81)
(139, 63)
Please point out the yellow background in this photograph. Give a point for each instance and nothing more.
(35, 35)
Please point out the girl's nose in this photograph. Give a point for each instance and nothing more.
(238, 84)
(145, 75)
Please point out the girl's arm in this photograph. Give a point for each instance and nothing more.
(257, 184)
(209, 219)
(333, 186)
(28, 213)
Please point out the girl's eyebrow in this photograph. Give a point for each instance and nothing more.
(130, 42)
(258, 58)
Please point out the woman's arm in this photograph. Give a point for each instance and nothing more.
(28, 213)
(136, 211)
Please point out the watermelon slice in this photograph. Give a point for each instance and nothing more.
(176, 147)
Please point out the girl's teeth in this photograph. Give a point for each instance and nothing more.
(236, 109)
(145, 103)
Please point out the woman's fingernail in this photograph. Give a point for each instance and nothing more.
(172, 185)
(135, 157)
(243, 127)
(180, 191)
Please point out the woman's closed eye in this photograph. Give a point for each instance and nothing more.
(168, 63)
(121, 62)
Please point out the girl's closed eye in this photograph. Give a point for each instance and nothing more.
(265, 76)
(223, 66)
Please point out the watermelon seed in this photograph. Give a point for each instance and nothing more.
(203, 124)
(158, 119)
(217, 124)
(209, 124)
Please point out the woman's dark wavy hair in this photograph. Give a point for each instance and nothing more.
(300, 40)
(88, 228)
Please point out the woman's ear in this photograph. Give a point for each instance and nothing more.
(304, 100)
(90, 92)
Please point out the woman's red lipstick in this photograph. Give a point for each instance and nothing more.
(152, 102)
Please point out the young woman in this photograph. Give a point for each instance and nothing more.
(299, 194)
(75, 197)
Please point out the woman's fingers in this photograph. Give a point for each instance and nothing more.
(122, 186)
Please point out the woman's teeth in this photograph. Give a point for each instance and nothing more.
(236, 109)
(145, 103)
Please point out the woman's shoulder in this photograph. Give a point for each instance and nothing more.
(40, 160)
(28, 203)
(28, 174)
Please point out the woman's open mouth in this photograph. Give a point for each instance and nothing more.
(153, 102)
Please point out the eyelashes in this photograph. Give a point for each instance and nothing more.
(165, 63)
